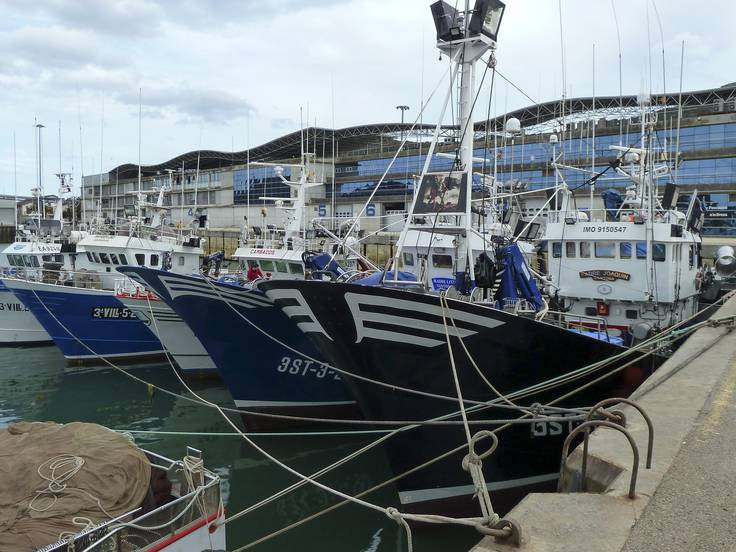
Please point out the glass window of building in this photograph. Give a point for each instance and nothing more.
(140, 258)
(442, 261)
(570, 249)
(585, 250)
(556, 250)
(641, 250)
(605, 250)
(624, 250)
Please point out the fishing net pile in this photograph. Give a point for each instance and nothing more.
(56, 479)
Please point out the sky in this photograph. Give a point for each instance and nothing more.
(222, 74)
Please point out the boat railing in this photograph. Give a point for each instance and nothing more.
(198, 503)
(624, 214)
(82, 278)
(572, 321)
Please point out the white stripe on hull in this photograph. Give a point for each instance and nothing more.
(426, 495)
(116, 355)
(282, 404)
(402, 318)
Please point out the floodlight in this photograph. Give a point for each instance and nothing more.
(486, 18)
(445, 21)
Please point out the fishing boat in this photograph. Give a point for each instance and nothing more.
(42, 247)
(91, 311)
(249, 339)
(491, 342)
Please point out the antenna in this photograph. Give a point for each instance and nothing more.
(592, 168)
(196, 174)
(679, 112)
(247, 173)
(81, 161)
(620, 80)
(39, 159)
(140, 114)
(102, 149)
(15, 184)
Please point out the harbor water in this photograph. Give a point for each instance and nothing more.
(36, 384)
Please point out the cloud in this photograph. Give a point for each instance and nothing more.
(283, 123)
(53, 48)
(117, 17)
(204, 104)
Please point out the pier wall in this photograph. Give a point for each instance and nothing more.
(687, 500)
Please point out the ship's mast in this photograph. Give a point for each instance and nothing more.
(470, 35)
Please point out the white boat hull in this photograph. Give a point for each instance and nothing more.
(18, 326)
(174, 334)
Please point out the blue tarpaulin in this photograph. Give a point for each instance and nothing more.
(516, 280)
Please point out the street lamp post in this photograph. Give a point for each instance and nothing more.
(402, 108)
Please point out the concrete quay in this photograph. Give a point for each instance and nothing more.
(687, 500)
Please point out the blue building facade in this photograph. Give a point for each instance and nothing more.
(707, 164)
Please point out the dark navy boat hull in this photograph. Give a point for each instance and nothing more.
(398, 337)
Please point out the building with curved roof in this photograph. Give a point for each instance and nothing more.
(352, 160)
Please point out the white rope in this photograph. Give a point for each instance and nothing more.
(466, 521)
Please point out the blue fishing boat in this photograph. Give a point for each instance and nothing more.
(86, 323)
(251, 341)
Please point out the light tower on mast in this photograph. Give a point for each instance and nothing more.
(465, 36)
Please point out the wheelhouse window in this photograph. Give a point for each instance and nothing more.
(46, 258)
(140, 258)
(89, 257)
(154, 260)
(408, 259)
(281, 267)
(97, 259)
(442, 261)
(181, 260)
(585, 250)
(659, 251)
(570, 249)
(624, 250)
(641, 250)
(114, 259)
(123, 260)
(59, 258)
(267, 265)
(104, 258)
(296, 268)
(605, 250)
